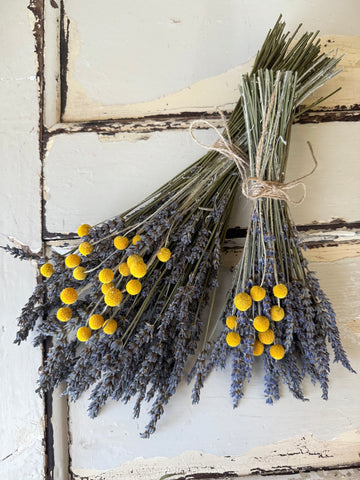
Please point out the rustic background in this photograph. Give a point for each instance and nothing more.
(97, 97)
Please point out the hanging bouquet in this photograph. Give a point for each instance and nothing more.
(275, 309)
(123, 308)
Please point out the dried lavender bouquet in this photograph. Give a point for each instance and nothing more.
(276, 309)
(123, 307)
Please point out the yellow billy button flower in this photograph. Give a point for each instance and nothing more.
(231, 321)
(277, 351)
(242, 301)
(164, 254)
(113, 297)
(68, 295)
(106, 275)
(83, 334)
(136, 239)
(47, 270)
(106, 287)
(257, 293)
(72, 261)
(280, 290)
(133, 258)
(121, 242)
(133, 287)
(261, 324)
(64, 314)
(83, 230)
(138, 269)
(79, 273)
(267, 337)
(233, 339)
(96, 321)
(258, 348)
(110, 326)
(124, 269)
(277, 313)
(85, 248)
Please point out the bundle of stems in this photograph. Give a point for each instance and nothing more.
(275, 309)
(123, 308)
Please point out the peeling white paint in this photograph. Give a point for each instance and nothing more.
(124, 137)
(221, 90)
(79, 170)
(22, 411)
(296, 453)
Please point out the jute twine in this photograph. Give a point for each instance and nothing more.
(223, 145)
(252, 187)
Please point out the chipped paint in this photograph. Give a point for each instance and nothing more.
(218, 91)
(287, 456)
(317, 252)
(64, 56)
(131, 137)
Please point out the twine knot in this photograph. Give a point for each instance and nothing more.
(252, 187)
(223, 145)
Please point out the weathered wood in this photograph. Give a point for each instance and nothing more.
(80, 170)
(342, 474)
(271, 462)
(21, 411)
(173, 85)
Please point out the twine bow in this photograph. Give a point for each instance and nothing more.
(252, 187)
(223, 145)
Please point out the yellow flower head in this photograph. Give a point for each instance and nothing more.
(47, 270)
(79, 273)
(83, 230)
(133, 258)
(233, 339)
(72, 261)
(277, 313)
(164, 254)
(133, 287)
(83, 334)
(258, 348)
(242, 301)
(277, 351)
(96, 321)
(110, 326)
(121, 242)
(138, 269)
(106, 275)
(267, 337)
(124, 269)
(64, 314)
(231, 321)
(136, 239)
(68, 295)
(257, 293)
(261, 324)
(85, 248)
(113, 297)
(106, 287)
(280, 290)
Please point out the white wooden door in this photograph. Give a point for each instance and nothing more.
(98, 92)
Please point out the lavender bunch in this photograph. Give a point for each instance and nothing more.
(276, 309)
(123, 308)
